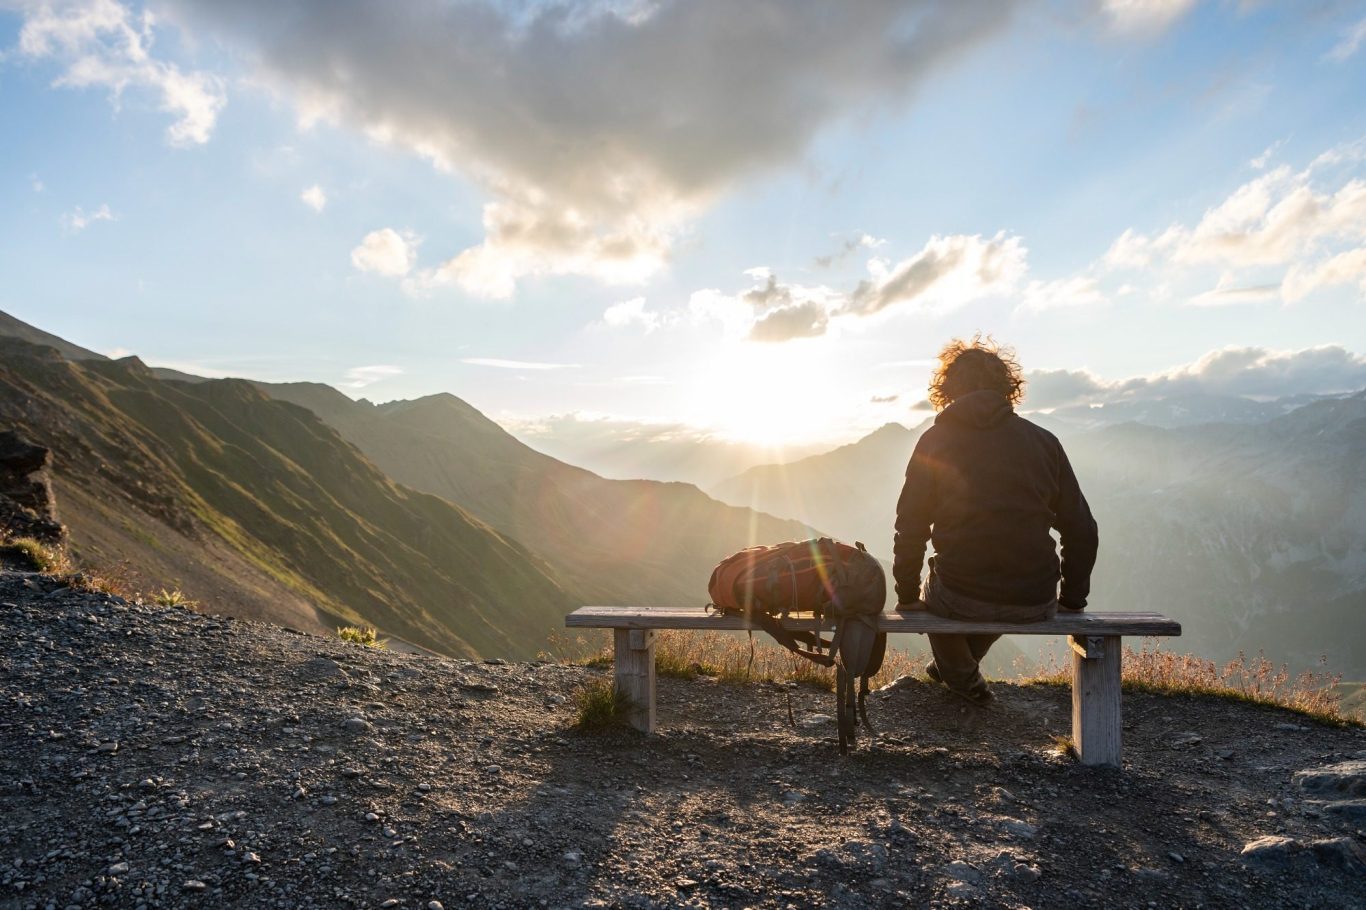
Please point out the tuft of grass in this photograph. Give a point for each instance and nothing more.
(38, 555)
(176, 598)
(366, 636)
(1255, 681)
(1064, 745)
(735, 659)
(116, 581)
(600, 706)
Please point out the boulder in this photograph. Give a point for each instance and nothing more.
(1336, 853)
(1344, 779)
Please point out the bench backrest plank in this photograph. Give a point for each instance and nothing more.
(916, 623)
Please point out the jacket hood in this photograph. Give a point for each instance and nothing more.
(981, 409)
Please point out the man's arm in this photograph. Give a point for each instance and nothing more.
(914, 512)
(1080, 538)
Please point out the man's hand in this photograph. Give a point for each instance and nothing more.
(914, 607)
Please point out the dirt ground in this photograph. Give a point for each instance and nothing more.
(157, 757)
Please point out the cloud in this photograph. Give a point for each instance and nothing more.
(1132, 250)
(604, 431)
(501, 364)
(947, 273)
(36, 183)
(768, 312)
(806, 319)
(1144, 16)
(1046, 389)
(632, 312)
(883, 399)
(314, 198)
(1062, 293)
(1349, 44)
(1285, 233)
(858, 241)
(1262, 160)
(360, 377)
(101, 44)
(1273, 219)
(1228, 292)
(79, 219)
(1343, 269)
(599, 129)
(386, 252)
(1255, 372)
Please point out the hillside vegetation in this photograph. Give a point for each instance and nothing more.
(217, 489)
(611, 541)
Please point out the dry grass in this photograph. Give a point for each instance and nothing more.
(116, 581)
(730, 658)
(600, 706)
(1256, 680)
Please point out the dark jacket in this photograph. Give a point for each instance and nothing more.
(986, 485)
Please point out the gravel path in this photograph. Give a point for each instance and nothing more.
(162, 758)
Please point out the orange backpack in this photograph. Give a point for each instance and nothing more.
(828, 579)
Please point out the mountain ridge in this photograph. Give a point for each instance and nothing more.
(219, 465)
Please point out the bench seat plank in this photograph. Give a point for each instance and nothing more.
(920, 622)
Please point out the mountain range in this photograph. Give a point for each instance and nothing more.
(1252, 533)
(1245, 520)
(610, 541)
(300, 505)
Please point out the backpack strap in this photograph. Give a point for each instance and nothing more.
(793, 641)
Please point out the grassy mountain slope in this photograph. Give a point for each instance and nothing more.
(188, 473)
(613, 541)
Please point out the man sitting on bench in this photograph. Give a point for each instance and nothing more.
(985, 486)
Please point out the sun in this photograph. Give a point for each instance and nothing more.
(773, 396)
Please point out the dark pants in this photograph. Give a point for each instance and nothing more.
(958, 657)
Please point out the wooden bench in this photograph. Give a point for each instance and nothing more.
(1095, 639)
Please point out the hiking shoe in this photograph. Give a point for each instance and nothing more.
(933, 672)
(979, 695)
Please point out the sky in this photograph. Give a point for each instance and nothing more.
(758, 221)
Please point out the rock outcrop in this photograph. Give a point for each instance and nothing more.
(27, 506)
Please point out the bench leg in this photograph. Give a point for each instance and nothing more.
(635, 675)
(1096, 699)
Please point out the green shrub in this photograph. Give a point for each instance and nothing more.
(367, 636)
(601, 706)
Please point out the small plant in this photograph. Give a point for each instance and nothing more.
(116, 581)
(176, 598)
(1064, 745)
(601, 706)
(367, 636)
(35, 553)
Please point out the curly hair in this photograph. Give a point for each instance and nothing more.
(970, 366)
